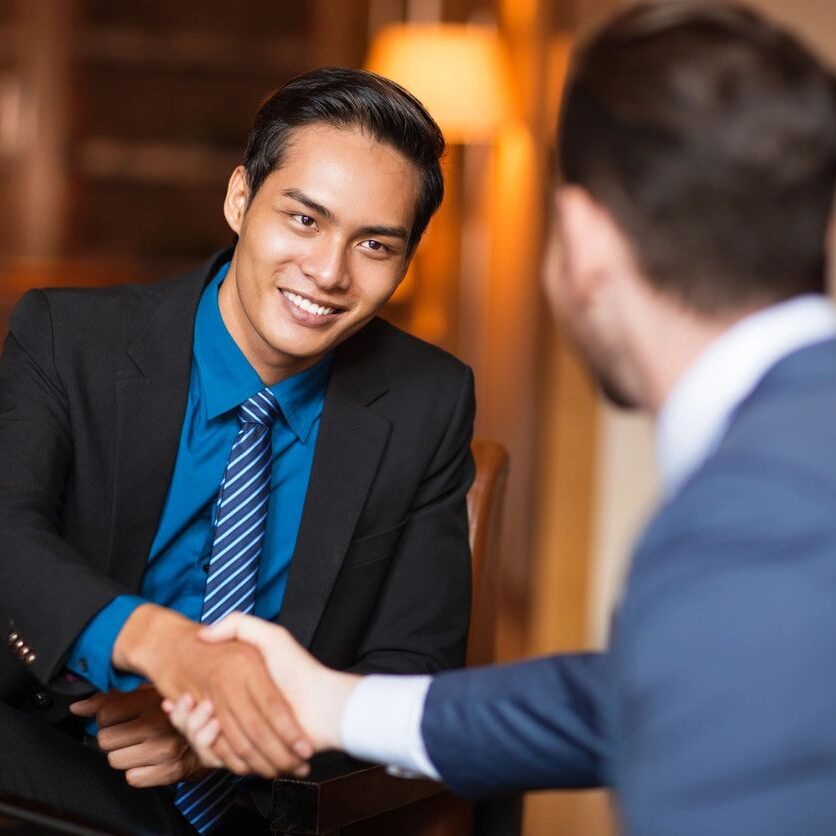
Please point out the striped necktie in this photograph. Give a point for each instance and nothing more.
(233, 570)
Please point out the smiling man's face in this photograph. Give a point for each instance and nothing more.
(321, 247)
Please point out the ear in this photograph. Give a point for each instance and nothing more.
(584, 236)
(237, 197)
(594, 248)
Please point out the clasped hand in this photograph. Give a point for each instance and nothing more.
(138, 737)
(258, 732)
(315, 694)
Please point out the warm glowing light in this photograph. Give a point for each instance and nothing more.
(458, 72)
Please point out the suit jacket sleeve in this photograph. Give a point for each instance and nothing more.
(37, 565)
(421, 619)
(530, 725)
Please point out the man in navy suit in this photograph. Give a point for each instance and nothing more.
(697, 154)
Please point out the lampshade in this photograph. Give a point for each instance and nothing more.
(457, 71)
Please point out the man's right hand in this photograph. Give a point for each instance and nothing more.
(318, 694)
(259, 733)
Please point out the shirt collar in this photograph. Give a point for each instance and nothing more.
(227, 379)
(697, 412)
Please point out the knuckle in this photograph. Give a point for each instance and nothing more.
(113, 760)
(133, 779)
(239, 768)
(284, 763)
(244, 749)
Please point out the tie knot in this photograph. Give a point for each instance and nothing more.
(262, 408)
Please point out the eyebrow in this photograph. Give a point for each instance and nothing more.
(382, 231)
(301, 197)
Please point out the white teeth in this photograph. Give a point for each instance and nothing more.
(307, 305)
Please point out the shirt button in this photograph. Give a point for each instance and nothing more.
(82, 665)
(42, 699)
(206, 567)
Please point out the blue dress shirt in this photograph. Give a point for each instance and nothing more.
(221, 379)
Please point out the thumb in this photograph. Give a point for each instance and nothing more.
(222, 631)
(246, 628)
(87, 707)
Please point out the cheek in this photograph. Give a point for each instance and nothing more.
(374, 283)
(267, 243)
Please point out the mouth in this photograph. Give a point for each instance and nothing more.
(310, 306)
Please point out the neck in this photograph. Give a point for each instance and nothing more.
(666, 339)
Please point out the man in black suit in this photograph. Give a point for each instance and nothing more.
(697, 154)
(117, 416)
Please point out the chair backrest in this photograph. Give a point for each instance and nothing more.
(484, 510)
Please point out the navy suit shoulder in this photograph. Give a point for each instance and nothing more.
(712, 711)
(723, 720)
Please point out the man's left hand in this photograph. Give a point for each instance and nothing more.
(139, 738)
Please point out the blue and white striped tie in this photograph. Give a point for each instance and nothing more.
(233, 570)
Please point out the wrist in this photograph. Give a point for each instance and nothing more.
(141, 644)
(336, 688)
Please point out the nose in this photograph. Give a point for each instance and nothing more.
(326, 265)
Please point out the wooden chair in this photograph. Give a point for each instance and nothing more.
(351, 798)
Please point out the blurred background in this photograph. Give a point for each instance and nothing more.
(120, 123)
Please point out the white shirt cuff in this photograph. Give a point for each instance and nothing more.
(382, 723)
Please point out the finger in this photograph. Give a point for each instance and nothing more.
(206, 737)
(87, 707)
(202, 742)
(119, 708)
(178, 712)
(198, 718)
(303, 771)
(158, 775)
(280, 718)
(248, 736)
(120, 736)
(130, 757)
(223, 752)
(246, 729)
(146, 727)
(255, 739)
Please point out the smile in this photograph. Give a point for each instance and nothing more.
(307, 305)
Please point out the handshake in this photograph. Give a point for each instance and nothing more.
(315, 694)
(241, 694)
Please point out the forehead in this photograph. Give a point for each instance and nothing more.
(350, 173)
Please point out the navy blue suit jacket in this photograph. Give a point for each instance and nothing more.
(714, 709)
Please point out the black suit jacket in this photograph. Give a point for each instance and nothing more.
(93, 388)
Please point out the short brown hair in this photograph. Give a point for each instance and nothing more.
(710, 136)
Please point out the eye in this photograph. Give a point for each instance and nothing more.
(304, 220)
(375, 246)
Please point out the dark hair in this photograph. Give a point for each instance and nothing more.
(347, 98)
(710, 136)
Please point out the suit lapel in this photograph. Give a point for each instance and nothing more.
(152, 388)
(351, 441)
